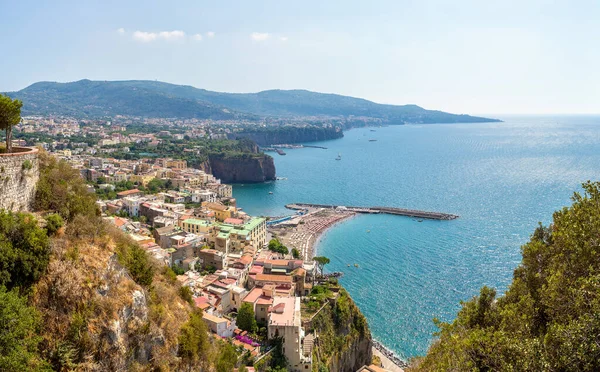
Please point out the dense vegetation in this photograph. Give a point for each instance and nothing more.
(549, 319)
(195, 151)
(157, 99)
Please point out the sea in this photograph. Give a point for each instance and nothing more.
(502, 179)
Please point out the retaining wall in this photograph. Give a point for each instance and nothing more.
(19, 174)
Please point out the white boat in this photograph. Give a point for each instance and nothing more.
(339, 157)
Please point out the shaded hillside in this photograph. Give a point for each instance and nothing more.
(288, 134)
(94, 99)
(549, 319)
(158, 99)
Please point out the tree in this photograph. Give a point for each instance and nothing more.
(295, 253)
(548, 319)
(227, 358)
(245, 318)
(19, 335)
(193, 340)
(321, 261)
(10, 115)
(276, 246)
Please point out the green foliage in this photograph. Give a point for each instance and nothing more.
(186, 293)
(321, 261)
(276, 246)
(53, 223)
(136, 260)
(157, 99)
(157, 185)
(227, 358)
(62, 190)
(27, 165)
(245, 318)
(10, 115)
(295, 253)
(19, 330)
(193, 340)
(24, 250)
(178, 270)
(549, 319)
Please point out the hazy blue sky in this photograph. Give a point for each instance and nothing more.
(472, 56)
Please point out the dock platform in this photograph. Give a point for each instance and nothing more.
(375, 210)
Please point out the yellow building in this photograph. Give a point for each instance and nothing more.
(222, 212)
(142, 178)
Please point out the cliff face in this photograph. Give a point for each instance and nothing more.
(343, 341)
(242, 168)
(276, 136)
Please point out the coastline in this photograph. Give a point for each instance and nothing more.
(303, 233)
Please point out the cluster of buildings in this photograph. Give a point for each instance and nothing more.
(223, 254)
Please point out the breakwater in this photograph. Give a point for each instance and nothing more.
(374, 210)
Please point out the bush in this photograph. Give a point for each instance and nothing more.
(53, 223)
(136, 260)
(19, 335)
(27, 165)
(178, 270)
(186, 293)
(193, 340)
(62, 190)
(24, 250)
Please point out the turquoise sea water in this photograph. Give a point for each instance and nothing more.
(501, 178)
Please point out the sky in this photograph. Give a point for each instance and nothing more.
(461, 56)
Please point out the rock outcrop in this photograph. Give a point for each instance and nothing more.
(243, 168)
(343, 340)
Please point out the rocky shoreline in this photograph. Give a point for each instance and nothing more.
(390, 355)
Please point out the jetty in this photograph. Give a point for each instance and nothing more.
(375, 210)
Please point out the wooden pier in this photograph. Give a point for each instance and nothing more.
(375, 210)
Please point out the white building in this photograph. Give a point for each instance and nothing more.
(285, 321)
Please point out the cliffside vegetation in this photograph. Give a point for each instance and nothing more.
(343, 338)
(83, 296)
(549, 319)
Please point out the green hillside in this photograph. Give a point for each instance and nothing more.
(158, 99)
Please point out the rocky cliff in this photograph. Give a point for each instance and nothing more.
(343, 341)
(241, 168)
(290, 134)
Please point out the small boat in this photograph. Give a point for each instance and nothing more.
(420, 221)
(339, 157)
(348, 265)
(373, 130)
(355, 265)
(368, 231)
(270, 192)
(372, 140)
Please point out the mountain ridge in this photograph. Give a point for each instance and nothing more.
(145, 98)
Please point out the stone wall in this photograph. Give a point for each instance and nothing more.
(19, 173)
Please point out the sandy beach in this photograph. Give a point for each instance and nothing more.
(302, 232)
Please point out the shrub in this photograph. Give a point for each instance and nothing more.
(186, 293)
(62, 190)
(19, 335)
(27, 165)
(24, 250)
(137, 262)
(193, 340)
(53, 223)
